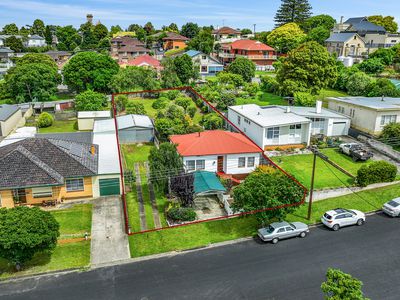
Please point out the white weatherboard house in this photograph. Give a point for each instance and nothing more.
(273, 126)
(217, 151)
(368, 115)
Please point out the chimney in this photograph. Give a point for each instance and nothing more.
(318, 106)
(89, 18)
(93, 150)
(288, 109)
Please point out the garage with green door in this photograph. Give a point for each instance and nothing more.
(109, 186)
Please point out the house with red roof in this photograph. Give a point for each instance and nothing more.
(218, 151)
(145, 61)
(261, 54)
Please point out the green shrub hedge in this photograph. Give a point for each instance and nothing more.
(181, 214)
(377, 171)
(45, 120)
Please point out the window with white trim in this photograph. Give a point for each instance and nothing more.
(190, 165)
(250, 161)
(386, 119)
(242, 162)
(340, 109)
(42, 192)
(74, 185)
(273, 134)
(295, 133)
(352, 111)
(200, 164)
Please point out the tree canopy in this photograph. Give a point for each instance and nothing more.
(14, 43)
(244, 67)
(286, 37)
(308, 68)
(190, 30)
(325, 21)
(37, 58)
(318, 34)
(26, 231)
(90, 70)
(10, 29)
(38, 28)
(267, 188)
(387, 22)
(290, 11)
(134, 78)
(90, 101)
(184, 68)
(203, 42)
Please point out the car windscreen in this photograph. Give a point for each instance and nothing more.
(270, 229)
(393, 203)
(329, 217)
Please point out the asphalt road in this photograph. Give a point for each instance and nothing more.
(291, 269)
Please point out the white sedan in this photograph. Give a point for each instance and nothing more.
(340, 217)
(392, 208)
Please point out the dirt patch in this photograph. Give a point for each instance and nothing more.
(69, 241)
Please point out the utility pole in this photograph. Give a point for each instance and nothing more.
(314, 150)
(254, 31)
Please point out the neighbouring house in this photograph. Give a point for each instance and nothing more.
(52, 106)
(368, 115)
(207, 64)
(346, 44)
(86, 119)
(226, 34)
(10, 117)
(35, 170)
(145, 61)
(174, 41)
(59, 57)
(219, 151)
(131, 128)
(271, 126)
(261, 54)
(125, 48)
(372, 35)
(27, 41)
(5, 59)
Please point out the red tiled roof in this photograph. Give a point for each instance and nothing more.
(176, 37)
(213, 142)
(226, 30)
(251, 45)
(144, 60)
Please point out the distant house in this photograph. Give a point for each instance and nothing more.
(5, 59)
(145, 61)
(217, 151)
(207, 64)
(86, 119)
(226, 34)
(59, 57)
(27, 41)
(261, 54)
(346, 44)
(125, 48)
(368, 114)
(131, 128)
(10, 117)
(174, 41)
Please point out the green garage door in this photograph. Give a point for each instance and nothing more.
(109, 186)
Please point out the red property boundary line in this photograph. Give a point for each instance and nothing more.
(189, 88)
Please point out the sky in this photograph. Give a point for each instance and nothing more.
(233, 13)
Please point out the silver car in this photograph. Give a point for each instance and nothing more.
(392, 208)
(282, 230)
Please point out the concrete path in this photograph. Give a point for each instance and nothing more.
(109, 241)
(139, 192)
(156, 216)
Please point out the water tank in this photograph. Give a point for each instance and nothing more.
(348, 61)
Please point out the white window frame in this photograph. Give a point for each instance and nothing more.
(190, 168)
(317, 126)
(242, 162)
(275, 131)
(42, 192)
(251, 161)
(295, 133)
(387, 119)
(200, 164)
(77, 188)
(352, 111)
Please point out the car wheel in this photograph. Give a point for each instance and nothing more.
(275, 240)
(354, 158)
(303, 234)
(360, 222)
(336, 227)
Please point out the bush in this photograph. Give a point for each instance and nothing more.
(212, 121)
(45, 120)
(383, 87)
(120, 102)
(372, 66)
(391, 131)
(358, 84)
(191, 110)
(171, 95)
(377, 171)
(135, 108)
(251, 88)
(90, 101)
(183, 102)
(181, 214)
(225, 78)
(304, 99)
(160, 103)
(269, 84)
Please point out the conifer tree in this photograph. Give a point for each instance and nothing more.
(296, 11)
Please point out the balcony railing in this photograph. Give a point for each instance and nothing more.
(257, 56)
(226, 55)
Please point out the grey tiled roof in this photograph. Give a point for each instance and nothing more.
(362, 24)
(7, 111)
(340, 37)
(40, 161)
(78, 137)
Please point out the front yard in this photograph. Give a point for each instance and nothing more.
(203, 234)
(70, 252)
(326, 176)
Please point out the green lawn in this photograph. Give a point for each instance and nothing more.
(136, 153)
(147, 103)
(262, 99)
(326, 176)
(203, 234)
(74, 221)
(133, 210)
(263, 73)
(60, 126)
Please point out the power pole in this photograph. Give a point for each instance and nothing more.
(315, 151)
(254, 31)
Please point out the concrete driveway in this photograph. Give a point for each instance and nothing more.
(109, 241)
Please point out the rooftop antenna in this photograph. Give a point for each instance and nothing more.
(223, 22)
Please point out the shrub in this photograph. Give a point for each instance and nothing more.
(377, 171)
(383, 87)
(226, 99)
(391, 131)
(358, 84)
(181, 214)
(304, 99)
(212, 121)
(225, 78)
(160, 103)
(90, 100)
(191, 110)
(135, 108)
(45, 120)
(372, 66)
(252, 88)
(120, 102)
(183, 102)
(171, 95)
(269, 84)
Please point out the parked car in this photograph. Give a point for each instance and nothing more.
(392, 208)
(341, 217)
(282, 230)
(355, 151)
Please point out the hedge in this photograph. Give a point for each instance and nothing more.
(377, 171)
(181, 214)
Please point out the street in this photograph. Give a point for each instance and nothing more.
(291, 269)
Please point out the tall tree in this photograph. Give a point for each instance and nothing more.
(100, 32)
(90, 101)
(149, 28)
(286, 37)
(290, 11)
(134, 78)
(68, 38)
(14, 43)
(184, 68)
(339, 285)
(244, 67)
(173, 27)
(169, 78)
(387, 22)
(38, 28)
(24, 31)
(190, 30)
(318, 34)
(203, 42)
(114, 29)
(134, 27)
(26, 231)
(48, 34)
(36, 58)
(325, 21)
(10, 29)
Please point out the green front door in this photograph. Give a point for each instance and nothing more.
(109, 186)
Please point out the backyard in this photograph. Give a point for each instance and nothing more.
(60, 126)
(71, 251)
